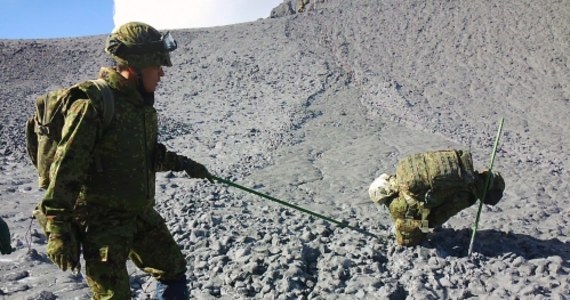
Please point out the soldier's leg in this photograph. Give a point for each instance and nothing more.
(155, 252)
(407, 222)
(106, 250)
(408, 232)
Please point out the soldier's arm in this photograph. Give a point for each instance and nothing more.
(72, 159)
(166, 160)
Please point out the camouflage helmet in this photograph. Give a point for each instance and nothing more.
(383, 189)
(140, 45)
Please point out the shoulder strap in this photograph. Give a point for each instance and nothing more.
(108, 101)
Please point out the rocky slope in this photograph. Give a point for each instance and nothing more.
(310, 108)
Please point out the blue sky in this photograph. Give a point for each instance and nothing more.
(33, 19)
(54, 18)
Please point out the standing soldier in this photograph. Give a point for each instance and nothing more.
(429, 188)
(102, 182)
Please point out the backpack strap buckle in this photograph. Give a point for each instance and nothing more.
(42, 130)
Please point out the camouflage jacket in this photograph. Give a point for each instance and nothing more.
(115, 167)
(403, 206)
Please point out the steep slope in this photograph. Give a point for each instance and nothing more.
(310, 108)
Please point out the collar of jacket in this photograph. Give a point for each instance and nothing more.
(121, 85)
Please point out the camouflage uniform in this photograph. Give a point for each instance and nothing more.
(111, 174)
(413, 219)
(407, 216)
(104, 180)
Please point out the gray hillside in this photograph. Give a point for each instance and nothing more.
(311, 108)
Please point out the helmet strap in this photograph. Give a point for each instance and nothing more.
(148, 97)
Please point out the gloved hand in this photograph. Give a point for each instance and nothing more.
(496, 187)
(62, 246)
(196, 170)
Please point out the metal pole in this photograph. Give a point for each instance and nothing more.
(339, 223)
(487, 182)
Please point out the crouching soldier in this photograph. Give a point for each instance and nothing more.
(429, 188)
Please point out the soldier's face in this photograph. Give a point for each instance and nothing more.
(151, 77)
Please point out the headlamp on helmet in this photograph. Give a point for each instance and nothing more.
(140, 45)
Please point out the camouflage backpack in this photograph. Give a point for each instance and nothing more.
(432, 176)
(43, 128)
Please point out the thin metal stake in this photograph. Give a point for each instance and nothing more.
(487, 182)
(339, 223)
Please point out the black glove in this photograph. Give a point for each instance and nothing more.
(496, 187)
(196, 170)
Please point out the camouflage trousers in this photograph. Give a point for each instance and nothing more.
(412, 219)
(109, 239)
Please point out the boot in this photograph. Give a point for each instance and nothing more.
(172, 289)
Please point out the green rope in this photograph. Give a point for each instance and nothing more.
(487, 182)
(339, 223)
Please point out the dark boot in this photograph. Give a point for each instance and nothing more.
(172, 289)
